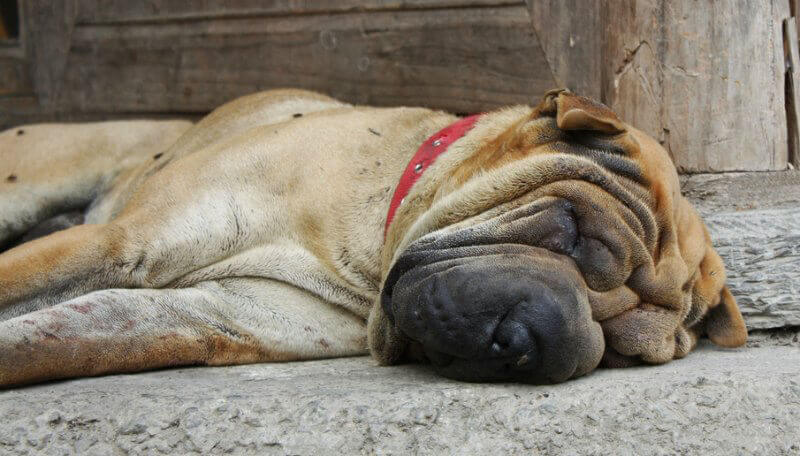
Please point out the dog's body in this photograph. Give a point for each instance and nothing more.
(258, 235)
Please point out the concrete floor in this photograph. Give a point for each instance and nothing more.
(714, 401)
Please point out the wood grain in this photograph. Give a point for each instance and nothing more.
(461, 60)
(48, 28)
(792, 84)
(704, 77)
(14, 77)
(125, 11)
(570, 33)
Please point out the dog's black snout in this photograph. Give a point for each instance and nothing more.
(500, 317)
(511, 338)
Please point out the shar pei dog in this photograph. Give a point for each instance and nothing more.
(528, 244)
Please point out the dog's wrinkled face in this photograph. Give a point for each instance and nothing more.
(544, 244)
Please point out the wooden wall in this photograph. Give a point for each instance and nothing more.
(705, 78)
(714, 69)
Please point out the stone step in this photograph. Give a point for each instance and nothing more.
(754, 220)
(715, 401)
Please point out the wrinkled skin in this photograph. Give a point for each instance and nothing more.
(545, 242)
(564, 245)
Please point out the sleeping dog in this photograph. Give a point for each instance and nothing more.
(531, 244)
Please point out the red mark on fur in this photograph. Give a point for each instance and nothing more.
(29, 322)
(81, 308)
(323, 343)
(128, 325)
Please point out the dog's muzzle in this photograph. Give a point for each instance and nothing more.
(495, 312)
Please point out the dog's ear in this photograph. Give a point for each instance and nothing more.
(721, 320)
(724, 324)
(574, 112)
(580, 113)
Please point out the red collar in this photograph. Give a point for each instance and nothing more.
(425, 156)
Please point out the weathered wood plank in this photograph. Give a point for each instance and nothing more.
(125, 11)
(14, 76)
(754, 220)
(48, 27)
(792, 91)
(461, 60)
(25, 110)
(570, 34)
(704, 77)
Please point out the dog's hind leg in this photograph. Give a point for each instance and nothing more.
(230, 321)
(51, 169)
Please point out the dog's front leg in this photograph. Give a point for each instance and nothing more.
(230, 321)
(121, 331)
(64, 265)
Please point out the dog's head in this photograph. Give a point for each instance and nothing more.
(547, 241)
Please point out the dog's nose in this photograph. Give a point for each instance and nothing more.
(512, 337)
(501, 317)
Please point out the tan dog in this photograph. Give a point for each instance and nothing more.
(542, 241)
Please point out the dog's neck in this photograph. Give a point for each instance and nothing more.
(427, 153)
